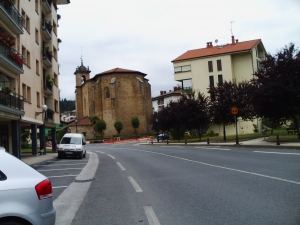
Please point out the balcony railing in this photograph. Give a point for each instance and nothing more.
(187, 90)
(11, 58)
(47, 28)
(11, 13)
(47, 5)
(47, 58)
(48, 88)
(11, 100)
(49, 115)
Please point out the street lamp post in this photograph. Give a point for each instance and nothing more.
(76, 124)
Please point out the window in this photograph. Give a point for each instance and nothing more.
(219, 65)
(2, 176)
(180, 69)
(23, 52)
(37, 67)
(28, 58)
(211, 81)
(24, 91)
(220, 79)
(27, 24)
(37, 36)
(24, 16)
(55, 53)
(56, 105)
(54, 28)
(55, 79)
(37, 6)
(38, 100)
(210, 66)
(28, 94)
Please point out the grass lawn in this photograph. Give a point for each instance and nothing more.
(29, 150)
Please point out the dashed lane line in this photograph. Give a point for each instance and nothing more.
(120, 165)
(111, 156)
(135, 185)
(152, 219)
(279, 153)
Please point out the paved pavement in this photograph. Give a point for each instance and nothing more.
(257, 142)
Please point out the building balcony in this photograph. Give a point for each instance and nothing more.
(48, 88)
(11, 16)
(187, 90)
(11, 100)
(49, 115)
(62, 2)
(47, 58)
(46, 29)
(46, 4)
(11, 59)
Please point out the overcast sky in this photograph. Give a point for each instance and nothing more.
(146, 35)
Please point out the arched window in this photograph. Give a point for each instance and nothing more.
(83, 79)
(106, 92)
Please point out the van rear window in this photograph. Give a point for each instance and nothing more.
(71, 140)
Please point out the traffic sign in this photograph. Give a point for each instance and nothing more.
(234, 110)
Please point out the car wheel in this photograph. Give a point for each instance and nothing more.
(11, 223)
(84, 154)
(81, 155)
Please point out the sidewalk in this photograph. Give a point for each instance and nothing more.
(31, 159)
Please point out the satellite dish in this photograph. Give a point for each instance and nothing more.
(216, 41)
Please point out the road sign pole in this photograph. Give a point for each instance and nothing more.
(236, 131)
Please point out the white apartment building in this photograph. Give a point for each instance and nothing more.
(162, 100)
(200, 68)
(29, 69)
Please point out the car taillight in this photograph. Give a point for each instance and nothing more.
(44, 189)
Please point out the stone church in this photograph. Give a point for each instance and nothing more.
(117, 94)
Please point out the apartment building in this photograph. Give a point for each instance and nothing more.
(200, 68)
(29, 69)
(162, 100)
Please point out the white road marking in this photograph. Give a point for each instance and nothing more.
(120, 165)
(225, 149)
(111, 156)
(62, 169)
(59, 187)
(222, 167)
(135, 185)
(102, 152)
(62, 164)
(152, 219)
(63, 176)
(279, 153)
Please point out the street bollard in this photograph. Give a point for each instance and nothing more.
(185, 141)
(167, 141)
(277, 140)
(152, 141)
(208, 140)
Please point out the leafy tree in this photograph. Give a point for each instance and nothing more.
(118, 126)
(94, 120)
(154, 122)
(135, 122)
(276, 93)
(227, 95)
(60, 134)
(100, 126)
(66, 105)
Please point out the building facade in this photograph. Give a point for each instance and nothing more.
(200, 68)
(162, 100)
(29, 69)
(117, 94)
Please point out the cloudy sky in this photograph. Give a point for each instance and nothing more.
(146, 35)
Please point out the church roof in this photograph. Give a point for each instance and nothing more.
(120, 70)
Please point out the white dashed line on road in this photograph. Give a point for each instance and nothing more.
(135, 185)
(62, 164)
(152, 219)
(62, 176)
(120, 165)
(60, 187)
(61, 169)
(111, 156)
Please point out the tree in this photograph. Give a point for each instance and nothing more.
(154, 122)
(276, 93)
(94, 120)
(227, 95)
(135, 122)
(100, 126)
(118, 126)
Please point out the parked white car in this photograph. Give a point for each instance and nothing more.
(25, 194)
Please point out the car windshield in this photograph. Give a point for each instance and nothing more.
(71, 140)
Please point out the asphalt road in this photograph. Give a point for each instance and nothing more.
(169, 185)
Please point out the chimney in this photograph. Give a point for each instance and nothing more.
(175, 89)
(161, 92)
(232, 40)
(207, 44)
(211, 44)
(165, 92)
(237, 40)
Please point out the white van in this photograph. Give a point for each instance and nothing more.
(72, 144)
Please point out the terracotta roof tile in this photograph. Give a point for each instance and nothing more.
(218, 50)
